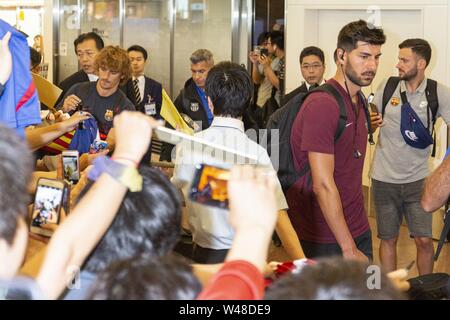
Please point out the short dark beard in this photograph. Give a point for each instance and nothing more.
(409, 75)
(350, 73)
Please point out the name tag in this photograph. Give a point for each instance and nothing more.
(150, 109)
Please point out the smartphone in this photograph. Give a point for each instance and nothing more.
(71, 166)
(264, 52)
(373, 107)
(410, 265)
(210, 186)
(48, 200)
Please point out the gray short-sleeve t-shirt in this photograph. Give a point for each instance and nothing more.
(394, 160)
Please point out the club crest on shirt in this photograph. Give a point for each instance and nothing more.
(109, 115)
(395, 101)
(194, 106)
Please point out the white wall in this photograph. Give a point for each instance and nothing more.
(318, 23)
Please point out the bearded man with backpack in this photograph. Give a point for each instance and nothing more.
(408, 105)
(328, 143)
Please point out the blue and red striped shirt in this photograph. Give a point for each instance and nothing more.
(19, 104)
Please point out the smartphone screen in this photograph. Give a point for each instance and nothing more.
(47, 205)
(210, 186)
(71, 169)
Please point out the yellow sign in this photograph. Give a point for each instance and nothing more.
(170, 113)
(48, 93)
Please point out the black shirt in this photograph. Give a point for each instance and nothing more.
(102, 108)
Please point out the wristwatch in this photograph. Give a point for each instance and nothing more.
(126, 175)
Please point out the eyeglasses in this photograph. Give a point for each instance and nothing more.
(314, 66)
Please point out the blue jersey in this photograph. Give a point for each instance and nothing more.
(19, 103)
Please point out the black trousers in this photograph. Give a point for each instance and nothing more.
(208, 256)
(321, 250)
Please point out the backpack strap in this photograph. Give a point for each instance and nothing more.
(389, 89)
(433, 106)
(328, 88)
(432, 98)
(445, 232)
(367, 113)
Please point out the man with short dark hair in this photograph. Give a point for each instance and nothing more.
(144, 92)
(399, 169)
(274, 72)
(258, 75)
(229, 91)
(147, 223)
(326, 205)
(87, 46)
(312, 67)
(102, 99)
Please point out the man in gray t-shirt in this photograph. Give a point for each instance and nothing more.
(399, 170)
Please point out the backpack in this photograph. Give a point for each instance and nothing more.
(434, 286)
(283, 120)
(432, 99)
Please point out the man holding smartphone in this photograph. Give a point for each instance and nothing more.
(103, 99)
(266, 63)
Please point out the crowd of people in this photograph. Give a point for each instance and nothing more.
(127, 218)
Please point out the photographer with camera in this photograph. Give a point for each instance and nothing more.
(260, 54)
(268, 71)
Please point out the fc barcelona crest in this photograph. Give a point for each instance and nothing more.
(395, 101)
(194, 106)
(109, 115)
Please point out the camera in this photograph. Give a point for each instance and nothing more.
(264, 52)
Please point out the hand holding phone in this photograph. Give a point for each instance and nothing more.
(48, 201)
(264, 52)
(71, 166)
(210, 186)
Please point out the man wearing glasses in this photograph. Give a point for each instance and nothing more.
(312, 67)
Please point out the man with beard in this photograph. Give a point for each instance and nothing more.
(399, 170)
(329, 216)
(103, 99)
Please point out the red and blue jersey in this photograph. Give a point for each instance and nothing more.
(19, 103)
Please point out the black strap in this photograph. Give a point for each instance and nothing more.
(433, 106)
(432, 98)
(367, 113)
(389, 90)
(342, 110)
(444, 234)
